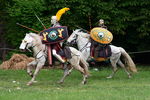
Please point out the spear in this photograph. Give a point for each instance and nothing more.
(28, 27)
(82, 29)
(40, 21)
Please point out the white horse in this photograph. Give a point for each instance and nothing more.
(83, 42)
(40, 54)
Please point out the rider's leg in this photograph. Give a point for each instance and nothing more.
(57, 56)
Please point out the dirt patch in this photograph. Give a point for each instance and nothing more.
(17, 61)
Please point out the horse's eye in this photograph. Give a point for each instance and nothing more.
(74, 36)
(25, 41)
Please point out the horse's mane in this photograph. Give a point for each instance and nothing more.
(36, 37)
(82, 33)
(81, 30)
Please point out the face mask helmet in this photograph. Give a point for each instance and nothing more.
(101, 21)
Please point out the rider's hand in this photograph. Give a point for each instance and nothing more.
(91, 59)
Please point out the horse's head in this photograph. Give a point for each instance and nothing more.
(27, 42)
(77, 35)
(73, 37)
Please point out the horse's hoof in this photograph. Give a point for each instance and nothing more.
(129, 77)
(109, 77)
(83, 83)
(60, 82)
(31, 75)
(34, 81)
(29, 83)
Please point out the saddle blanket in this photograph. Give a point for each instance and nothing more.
(102, 51)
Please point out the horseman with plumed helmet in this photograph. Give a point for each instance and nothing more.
(57, 47)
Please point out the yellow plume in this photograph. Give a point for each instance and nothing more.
(60, 12)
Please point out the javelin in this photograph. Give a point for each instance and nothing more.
(28, 28)
(82, 28)
(40, 21)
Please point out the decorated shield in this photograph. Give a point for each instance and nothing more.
(101, 35)
(54, 34)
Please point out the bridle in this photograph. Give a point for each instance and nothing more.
(27, 48)
(75, 41)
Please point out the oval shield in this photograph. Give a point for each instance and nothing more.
(54, 34)
(101, 35)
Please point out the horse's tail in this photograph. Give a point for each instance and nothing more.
(85, 66)
(128, 60)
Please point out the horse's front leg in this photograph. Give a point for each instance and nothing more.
(40, 64)
(30, 67)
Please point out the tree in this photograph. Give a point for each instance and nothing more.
(128, 20)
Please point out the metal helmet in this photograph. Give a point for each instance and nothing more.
(101, 21)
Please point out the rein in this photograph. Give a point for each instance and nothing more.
(84, 46)
(38, 51)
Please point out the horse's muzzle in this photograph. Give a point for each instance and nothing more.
(70, 43)
(67, 43)
(23, 50)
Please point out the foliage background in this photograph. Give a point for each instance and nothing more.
(128, 20)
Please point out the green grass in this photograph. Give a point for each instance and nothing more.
(97, 88)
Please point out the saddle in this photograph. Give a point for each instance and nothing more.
(65, 52)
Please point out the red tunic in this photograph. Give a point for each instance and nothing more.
(56, 46)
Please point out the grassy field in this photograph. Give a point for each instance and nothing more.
(13, 86)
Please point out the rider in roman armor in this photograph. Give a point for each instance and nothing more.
(99, 49)
(57, 47)
(101, 24)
